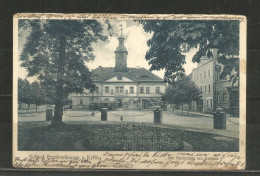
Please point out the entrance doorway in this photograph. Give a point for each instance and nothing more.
(200, 105)
(145, 103)
(119, 103)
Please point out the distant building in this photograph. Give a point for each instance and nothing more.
(202, 76)
(226, 93)
(121, 86)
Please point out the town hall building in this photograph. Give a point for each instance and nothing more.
(122, 86)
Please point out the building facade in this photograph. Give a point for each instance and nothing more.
(207, 78)
(227, 95)
(121, 86)
(202, 76)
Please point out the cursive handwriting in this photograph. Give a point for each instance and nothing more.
(135, 160)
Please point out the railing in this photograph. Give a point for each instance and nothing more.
(234, 123)
(81, 115)
(30, 114)
(135, 143)
(119, 115)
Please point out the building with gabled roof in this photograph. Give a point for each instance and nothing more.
(121, 86)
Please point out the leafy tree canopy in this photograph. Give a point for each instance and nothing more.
(183, 91)
(37, 94)
(172, 38)
(55, 52)
(41, 53)
(24, 93)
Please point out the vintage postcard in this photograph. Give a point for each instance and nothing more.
(129, 91)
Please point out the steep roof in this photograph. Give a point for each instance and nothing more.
(135, 74)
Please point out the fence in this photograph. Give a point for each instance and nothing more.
(119, 115)
(30, 114)
(134, 143)
(81, 115)
(234, 123)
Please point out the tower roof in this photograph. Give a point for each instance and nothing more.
(121, 47)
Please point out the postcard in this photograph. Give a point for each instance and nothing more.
(129, 91)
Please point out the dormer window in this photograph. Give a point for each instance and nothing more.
(119, 77)
(144, 76)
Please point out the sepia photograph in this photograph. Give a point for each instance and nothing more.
(113, 91)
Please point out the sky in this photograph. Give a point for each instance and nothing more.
(135, 42)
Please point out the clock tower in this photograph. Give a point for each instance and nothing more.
(121, 54)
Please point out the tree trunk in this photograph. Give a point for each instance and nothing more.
(58, 109)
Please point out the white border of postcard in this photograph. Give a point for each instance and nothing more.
(158, 160)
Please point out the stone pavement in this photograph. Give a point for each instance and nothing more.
(193, 122)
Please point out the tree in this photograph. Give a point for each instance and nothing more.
(49, 90)
(172, 38)
(55, 52)
(37, 94)
(184, 91)
(24, 95)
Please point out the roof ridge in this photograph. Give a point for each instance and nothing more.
(135, 74)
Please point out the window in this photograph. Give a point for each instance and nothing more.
(201, 89)
(200, 75)
(141, 89)
(107, 89)
(97, 89)
(81, 101)
(119, 89)
(106, 99)
(204, 74)
(157, 90)
(218, 97)
(147, 90)
(209, 72)
(211, 103)
(131, 90)
(207, 103)
(224, 97)
(112, 91)
(209, 88)
(205, 87)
